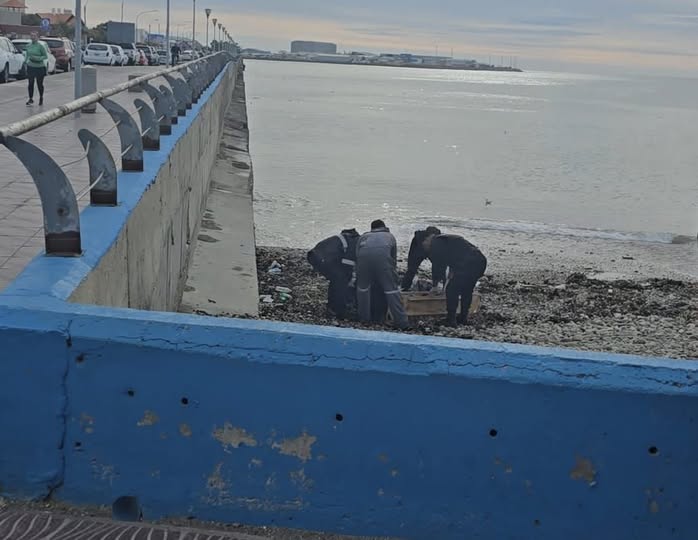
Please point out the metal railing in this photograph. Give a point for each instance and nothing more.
(58, 200)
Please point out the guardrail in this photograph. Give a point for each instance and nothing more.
(58, 200)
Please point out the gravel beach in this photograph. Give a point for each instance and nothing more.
(526, 302)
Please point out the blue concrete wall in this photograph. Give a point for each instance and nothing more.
(365, 433)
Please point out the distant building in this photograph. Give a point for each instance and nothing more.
(59, 16)
(11, 11)
(313, 47)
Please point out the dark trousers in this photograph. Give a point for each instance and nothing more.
(36, 74)
(461, 286)
(339, 276)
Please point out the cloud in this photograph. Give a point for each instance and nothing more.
(630, 34)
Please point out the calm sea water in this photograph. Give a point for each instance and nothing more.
(538, 153)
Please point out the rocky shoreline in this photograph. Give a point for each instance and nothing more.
(656, 317)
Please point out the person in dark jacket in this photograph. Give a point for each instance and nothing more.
(466, 265)
(376, 267)
(335, 258)
(416, 256)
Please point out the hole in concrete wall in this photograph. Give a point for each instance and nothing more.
(536, 522)
(77, 444)
(185, 401)
(126, 508)
(80, 359)
(493, 432)
(653, 450)
(130, 392)
(338, 417)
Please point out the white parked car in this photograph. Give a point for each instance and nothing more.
(21, 45)
(120, 56)
(11, 61)
(99, 53)
(186, 56)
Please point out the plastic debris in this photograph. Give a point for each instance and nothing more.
(266, 299)
(285, 297)
(275, 268)
(283, 290)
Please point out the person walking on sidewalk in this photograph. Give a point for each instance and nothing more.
(36, 57)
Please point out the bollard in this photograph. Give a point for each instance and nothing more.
(89, 86)
(135, 88)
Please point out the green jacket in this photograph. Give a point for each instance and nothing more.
(35, 55)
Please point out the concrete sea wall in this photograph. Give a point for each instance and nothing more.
(321, 428)
(146, 265)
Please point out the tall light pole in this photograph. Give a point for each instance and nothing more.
(220, 26)
(78, 52)
(208, 14)
(143, 13)
(167, 35)
(193, 25)
(214, 28)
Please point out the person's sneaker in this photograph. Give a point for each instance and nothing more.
(30, 102)
(41, 101)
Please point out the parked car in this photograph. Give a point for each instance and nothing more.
(132, 53)
(186, 56)
(11, 61)
(162, 56)
(120, 57)
(62, 49)
(148, 51)
(21, 45)
(99, 53)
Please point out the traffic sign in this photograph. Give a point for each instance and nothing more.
(45, 24)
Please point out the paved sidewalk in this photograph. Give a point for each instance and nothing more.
(16, 525)
(21, 221)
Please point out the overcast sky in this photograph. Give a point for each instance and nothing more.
(592, 35)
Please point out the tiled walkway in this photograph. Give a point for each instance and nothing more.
(21, 221)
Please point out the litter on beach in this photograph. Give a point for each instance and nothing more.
(275, 268)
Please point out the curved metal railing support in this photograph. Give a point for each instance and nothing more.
(103, 188)
(149, 124)
(129, 133)
(161, 108)
(58, 202)
(171, 103)
(179, 90)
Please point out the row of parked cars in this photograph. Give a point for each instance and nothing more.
(61, 55)
(60, 52)
(124, 54)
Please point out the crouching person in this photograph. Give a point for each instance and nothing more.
(335, 258)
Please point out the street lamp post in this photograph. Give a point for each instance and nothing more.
(143, 13)
(214, 28)
(167, 35)
(220, 26)
(193, 25)
(78, 52)
(208, 14)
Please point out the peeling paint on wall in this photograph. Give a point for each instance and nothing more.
(301, 480)
(149, 419)
(584, 470)
(230, 435)
(87, 423)
(184, 430)
(300, 447)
